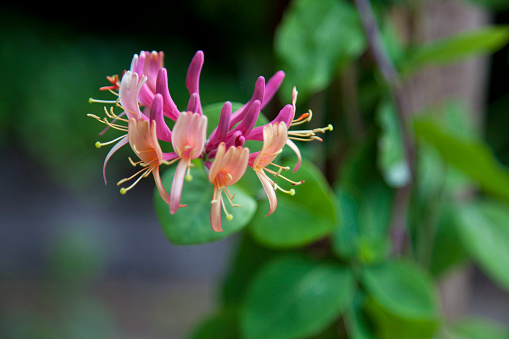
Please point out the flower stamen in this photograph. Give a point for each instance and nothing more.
(277, 174)
(310, 134)
(101, 101)
(228, 215)
(101, 144)
(109, 124)
(305, 117)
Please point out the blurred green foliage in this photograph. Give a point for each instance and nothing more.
(324, 265)
(455, 213)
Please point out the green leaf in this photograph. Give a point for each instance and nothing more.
(314, 37)
(403, 300)
(447, 252)
(476, 328)
(365, 202)
(358, 325)
(471, 156)
(191, 224)
(366, 215)
(484, 230)
(220, 325)
(307, 216)
(392, 160)
(248, 260)
(388, 326)
(403, 289)
(456, 47)
(295, 297)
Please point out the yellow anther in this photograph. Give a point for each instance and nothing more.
(123, 191)
(188, 176)
(277, 187)
(101, 144)
(229, 217)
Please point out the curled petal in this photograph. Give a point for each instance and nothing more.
(169, 108)
(130, 87)
(156, 114)
(275, 137)
(177, 184)
(272, 86)
(159, 184)
(193, 77)
(147, 64)
(115, 148)
(219, 134)
(137, 64)
(215, 210)
(194, 105)
(269, 190)
(153, 63)
(295, 148)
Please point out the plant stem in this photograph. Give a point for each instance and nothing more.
(391, 77)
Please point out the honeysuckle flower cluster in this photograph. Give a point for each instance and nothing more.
(144, 98)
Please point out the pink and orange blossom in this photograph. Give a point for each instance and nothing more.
(188, 140)
(143, 141)
(275, 137)
(226, 169)
(145, 99)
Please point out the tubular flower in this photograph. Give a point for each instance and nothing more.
(143, 141)
(143, 95)
(147, 64)
(129, 90)
(228, 167)
(275, 137)
(189, 135)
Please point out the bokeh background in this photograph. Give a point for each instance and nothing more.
(77, 259)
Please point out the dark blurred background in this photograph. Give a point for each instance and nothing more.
(77, 259)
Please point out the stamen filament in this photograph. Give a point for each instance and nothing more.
(306, 117)
(134, 163)
(230, 197)
(228, 215)
(113, 116)
(124, 190)
(284, 168)
(92, 100)
(276, 174)
(170, 162)
(310, 138)
(106, 122)
(132, 176)
(100, 144)
(291, 192)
